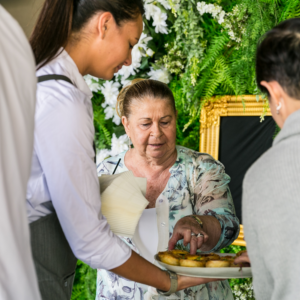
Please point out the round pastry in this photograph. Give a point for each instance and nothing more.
(227, 257)
(178, 251)
(217, 264)
(168, 257)
(191, 263)
(213, 256)
(196, 257)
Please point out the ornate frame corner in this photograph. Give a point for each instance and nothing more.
(226, 106)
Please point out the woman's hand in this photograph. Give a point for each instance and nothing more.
(187, 226)
(243, 258)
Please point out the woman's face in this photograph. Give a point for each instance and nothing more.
(152, 127)
(114, 46)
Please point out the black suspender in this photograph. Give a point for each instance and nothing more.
(64, 78)
(54, 77)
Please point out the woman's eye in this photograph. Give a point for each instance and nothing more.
(130, 46)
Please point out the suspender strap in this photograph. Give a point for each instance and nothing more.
(54, 77)
(67, 79)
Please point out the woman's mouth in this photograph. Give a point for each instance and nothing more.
(119, 68)
(156, 146)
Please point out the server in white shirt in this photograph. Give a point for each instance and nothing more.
(17, 105)
(73, 38)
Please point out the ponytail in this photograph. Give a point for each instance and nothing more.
(52, 30)
(59, 18)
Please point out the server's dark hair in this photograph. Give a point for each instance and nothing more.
(278, 57)
(140, 89)
(59, 18)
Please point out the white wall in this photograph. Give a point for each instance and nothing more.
(24, 11)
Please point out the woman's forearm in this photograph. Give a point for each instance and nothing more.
(212, 227)
(140, 270)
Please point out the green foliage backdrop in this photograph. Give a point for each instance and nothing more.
(201, 49)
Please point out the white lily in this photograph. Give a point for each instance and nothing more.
(160, 75)
(110, 112)
(92, 83)
(110, 91)
(119, 145)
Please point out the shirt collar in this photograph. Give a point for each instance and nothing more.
(291, 127)
(63, 64)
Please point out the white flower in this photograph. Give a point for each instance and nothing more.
(110, 91)
(150, 10)
(216, 10)
(201, 6)
(119, 145)
(221, 17)
(126, 71)
(161, 75)
(159, 21)
(125, 82)
(110, 112)
(92, 83)
(101, 155)
(149, 52)
(165, 4)
(143, 41)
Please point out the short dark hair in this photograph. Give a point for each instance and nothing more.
(278, 57)
(59, 18)
(138, 90)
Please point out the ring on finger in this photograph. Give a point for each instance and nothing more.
(197, 235)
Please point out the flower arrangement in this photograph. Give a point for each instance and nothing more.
(199, 48)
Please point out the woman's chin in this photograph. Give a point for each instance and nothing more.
(156, 152)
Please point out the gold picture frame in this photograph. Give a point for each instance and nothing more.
(210, 122)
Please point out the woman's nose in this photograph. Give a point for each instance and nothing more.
(156, 132)
(128, 60)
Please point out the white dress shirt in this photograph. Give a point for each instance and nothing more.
(17, 105)
(63, 172)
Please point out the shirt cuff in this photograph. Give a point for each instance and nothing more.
(227, 226)
(112, 258)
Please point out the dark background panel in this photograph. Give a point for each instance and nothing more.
(242, 141)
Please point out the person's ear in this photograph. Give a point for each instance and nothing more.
(104, 23)
(125, 123)
(276, 92)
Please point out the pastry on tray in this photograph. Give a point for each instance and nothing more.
(185, 259)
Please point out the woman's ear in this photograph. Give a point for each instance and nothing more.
(276, 92)
(104, 23)
(125, 123)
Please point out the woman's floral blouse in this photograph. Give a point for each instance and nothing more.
(198, 185)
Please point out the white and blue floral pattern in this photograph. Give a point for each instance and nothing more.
(198, 185)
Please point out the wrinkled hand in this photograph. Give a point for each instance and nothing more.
(242, 259)
(184, 229)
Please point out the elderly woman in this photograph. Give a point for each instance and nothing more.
(188, 190)
(271, 186)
